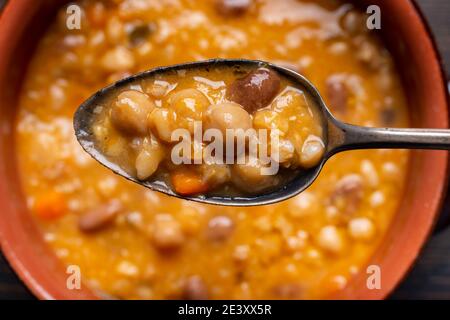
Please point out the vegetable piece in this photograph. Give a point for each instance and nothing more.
(256, 90)
(50, 206)
(187, 183)
(140, 33)
(99, 217)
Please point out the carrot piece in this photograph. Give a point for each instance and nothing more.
(50, 206)
(188, 183)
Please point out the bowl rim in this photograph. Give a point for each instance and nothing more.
(7, 21)
(446, 182)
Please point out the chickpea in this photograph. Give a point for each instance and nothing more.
(148, 159)
(189, 104)
(270, 120)
(130, 111)
(249, 175)
(228, 115)
(215, 174)
(118, 59)
(164, 122)
(312, 152)
(330, 239)
(290, 99)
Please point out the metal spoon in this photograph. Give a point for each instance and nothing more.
(338, 136)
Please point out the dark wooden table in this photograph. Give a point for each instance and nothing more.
(430, 278)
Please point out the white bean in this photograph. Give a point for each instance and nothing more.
(149, 158)
(312, 152)
(330, 239)
(361, 228)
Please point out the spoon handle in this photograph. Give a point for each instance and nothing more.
(352, 137)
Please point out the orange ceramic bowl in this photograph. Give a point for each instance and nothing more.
(406, 35)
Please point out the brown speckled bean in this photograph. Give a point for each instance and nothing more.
(256, 90)
(99, 217)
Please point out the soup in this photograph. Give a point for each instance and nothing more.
(132, 243)
(224, 131)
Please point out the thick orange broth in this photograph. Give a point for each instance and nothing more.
(133, 243)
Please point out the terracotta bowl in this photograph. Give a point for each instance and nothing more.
(407, 36)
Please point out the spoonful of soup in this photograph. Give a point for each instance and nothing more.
(225, 132)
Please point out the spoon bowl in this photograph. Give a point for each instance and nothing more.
(338, 136)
